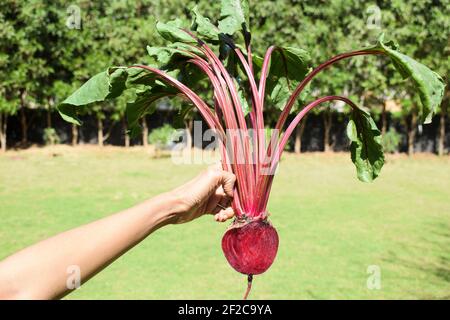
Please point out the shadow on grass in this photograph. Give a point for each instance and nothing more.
(430, 255)
(443, 270)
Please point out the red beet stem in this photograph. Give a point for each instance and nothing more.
(249, 286)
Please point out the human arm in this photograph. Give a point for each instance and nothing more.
(40, 271)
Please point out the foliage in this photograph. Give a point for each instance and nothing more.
(223, 55)
(115, 33)
(428, 84)
(161, 137)
(51, 136)
(391, 140)
(366, 149)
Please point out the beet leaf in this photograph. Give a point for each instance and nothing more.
(366, 149)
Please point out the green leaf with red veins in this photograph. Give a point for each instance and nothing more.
(173, 32)
(288, 67)
(190, 75)
(144, 103)
(168, 57)
(104, 85)
(242, 99)
(366, 149)
(138, 77)
(206, 30)
(234, 16)
(428, 83)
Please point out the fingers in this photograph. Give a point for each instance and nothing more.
(224, 193)
(224, 214)
(227, 180)
(220, 193)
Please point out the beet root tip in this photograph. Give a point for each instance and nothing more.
(251, 249)
(249, 286)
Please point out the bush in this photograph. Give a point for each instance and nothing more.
(161, 137)
(391, 141)
(51, 137)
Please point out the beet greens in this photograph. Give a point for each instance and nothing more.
(242, 84)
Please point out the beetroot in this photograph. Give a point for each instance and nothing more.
(251, 247)
(245, 87)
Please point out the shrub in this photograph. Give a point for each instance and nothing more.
(161, 137)
(391, 140)
(51, 137)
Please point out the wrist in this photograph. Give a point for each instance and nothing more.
(169, 206)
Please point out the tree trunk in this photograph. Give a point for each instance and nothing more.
(3, 122)
(49, 118)
(50, 104)
(412, 132)
(383, 120)
(299, 134)
(144, 132)
(188, 125)
(24, 126)
(23, 119)
(441, 142)
(74, 135)
(100, 131)
(126, 135)
(327, 118)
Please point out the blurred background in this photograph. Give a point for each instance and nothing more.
(335, 232)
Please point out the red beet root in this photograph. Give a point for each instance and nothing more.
(251, 249)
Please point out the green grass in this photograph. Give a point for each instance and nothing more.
(331, 226)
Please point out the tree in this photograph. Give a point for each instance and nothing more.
(421, 28)
(144, 131)
(299, 134)
(113, 33)
(29, 40)
(8, 107)
(118, 115)
(442, 123)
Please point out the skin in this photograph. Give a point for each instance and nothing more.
(41, 270)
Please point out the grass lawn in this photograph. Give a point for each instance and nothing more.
(332, 227)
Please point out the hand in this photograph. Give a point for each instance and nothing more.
(38, 272)
(208, 193)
